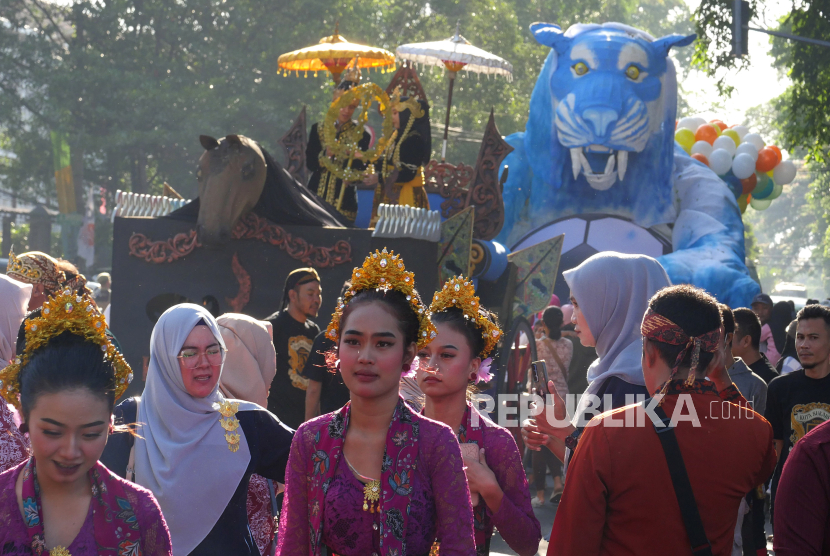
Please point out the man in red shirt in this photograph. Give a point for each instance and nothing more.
(619, 496)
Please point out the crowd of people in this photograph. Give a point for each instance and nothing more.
(271, 436)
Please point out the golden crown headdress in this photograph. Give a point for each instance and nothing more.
(352, 72)
(410, 104)
(460, 292)
(384, 270)
(65, 312)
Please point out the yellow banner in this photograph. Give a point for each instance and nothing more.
(66, 190)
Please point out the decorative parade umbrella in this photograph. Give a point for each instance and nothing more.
(334, 54)
(455, 54)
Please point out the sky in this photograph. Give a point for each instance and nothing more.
(756, 85)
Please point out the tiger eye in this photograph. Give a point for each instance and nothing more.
(580, 68)
(632, 72)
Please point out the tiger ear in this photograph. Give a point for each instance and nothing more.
(548, 34)
(662, 45)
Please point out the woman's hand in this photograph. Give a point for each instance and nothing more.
(533, 439)
(358, 154)
(544, 427)
(482, 480)
(371, 179)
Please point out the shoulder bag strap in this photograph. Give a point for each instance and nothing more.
(682, 487)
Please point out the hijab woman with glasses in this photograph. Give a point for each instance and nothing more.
(196, 449)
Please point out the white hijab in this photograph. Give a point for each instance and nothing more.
(613, 290)
(14, 299)
(181, 455)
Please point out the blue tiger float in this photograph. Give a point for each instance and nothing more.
(600, 141)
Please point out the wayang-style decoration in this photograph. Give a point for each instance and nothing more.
(294, 142)
(481, 189)
(250, 227)
(407, 79)
(244, 295)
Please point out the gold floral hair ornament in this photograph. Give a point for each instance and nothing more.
(384, 270)
(460, 292)
(65, 312)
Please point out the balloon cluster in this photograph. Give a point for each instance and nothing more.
(754, 172)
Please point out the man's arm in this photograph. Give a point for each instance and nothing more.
(580, 517)
(779, 447)
(312, 399)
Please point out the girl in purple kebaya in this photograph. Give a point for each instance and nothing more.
(375, 477)
(61, 500)
(454, 361)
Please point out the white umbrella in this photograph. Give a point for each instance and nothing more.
(455, 54)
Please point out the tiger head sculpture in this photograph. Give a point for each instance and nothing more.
(607, 94)
(603, 113)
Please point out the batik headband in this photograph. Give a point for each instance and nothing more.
(660, 329)
(35, 267)
(298, 277)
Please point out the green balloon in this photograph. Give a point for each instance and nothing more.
(760, 204)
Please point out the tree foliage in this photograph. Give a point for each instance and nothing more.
(805, 118)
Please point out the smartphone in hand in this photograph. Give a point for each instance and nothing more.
(539, 379)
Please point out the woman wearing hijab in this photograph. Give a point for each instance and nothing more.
(250, 366)
(609, 293)
(14, 297)
(196, 449)
(399, 172)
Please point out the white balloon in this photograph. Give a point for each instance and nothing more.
(720, 161)
(702, 147)
(726, 143)
(784, 173)
(743, 166)
(754, 139)
(741, 130)
(686, 123)
(747, 148)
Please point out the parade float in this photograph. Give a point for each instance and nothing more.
(602, 165)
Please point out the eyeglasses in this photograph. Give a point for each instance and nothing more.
(191, 357)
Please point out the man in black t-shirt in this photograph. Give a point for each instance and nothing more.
(326, 390)
(293, 337)
(746, 344)
(800, 401)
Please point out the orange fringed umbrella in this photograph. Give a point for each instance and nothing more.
(334, 54)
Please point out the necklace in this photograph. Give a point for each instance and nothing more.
(371, 489)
